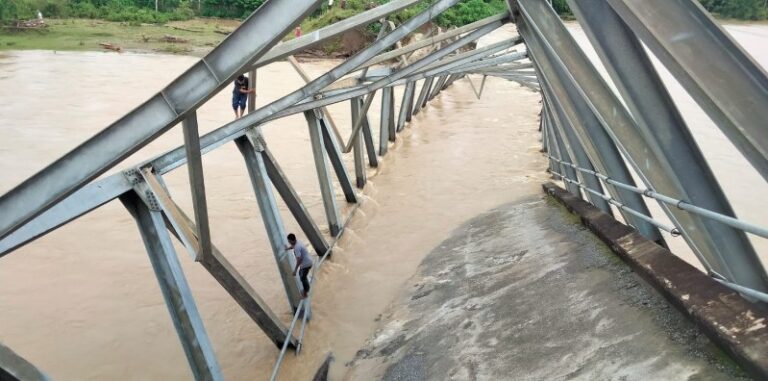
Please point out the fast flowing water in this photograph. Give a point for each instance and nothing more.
(83, 303)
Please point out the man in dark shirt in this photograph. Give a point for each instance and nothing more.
(240, 95)
(303, 262)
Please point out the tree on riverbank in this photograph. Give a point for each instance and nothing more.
(143, 11)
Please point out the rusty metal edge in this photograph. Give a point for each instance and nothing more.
(736, 325)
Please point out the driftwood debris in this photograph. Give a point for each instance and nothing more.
(185, 29)
(173, 39)
(224, 32)
(111, 46)
(27, 25)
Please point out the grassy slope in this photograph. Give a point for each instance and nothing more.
(78, 34)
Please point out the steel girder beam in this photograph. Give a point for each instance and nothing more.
(292, 201)
(176, 291)
(408, 94)
(726, 82)
(391, 79)
(323, 174)
(327, 115)
(262, 30)
(197, 183)
(77, 204)
(299, 44)
(422, 95)
(431, 41)
(357, 147)
(373, 160)
(90, 197)
(563, 155)
(738, 266)
(15, 368)
(386, 118)
(361, 116)
(251, 148)
(234, 129)
(600, 147)
(231, 280)
(569, 141)
(337, 161)
(654, 110)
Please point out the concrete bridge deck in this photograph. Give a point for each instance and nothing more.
(524, 292)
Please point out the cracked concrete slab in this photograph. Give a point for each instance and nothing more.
(523, 292)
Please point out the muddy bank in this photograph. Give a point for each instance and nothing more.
(524, 293)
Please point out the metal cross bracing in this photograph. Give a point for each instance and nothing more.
(598, 141)
(67, 189)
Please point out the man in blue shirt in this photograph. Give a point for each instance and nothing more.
(240, 95)
(303, 262)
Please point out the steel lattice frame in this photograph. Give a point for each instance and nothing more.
(583, 122)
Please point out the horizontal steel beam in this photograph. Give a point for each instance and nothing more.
(262, 30)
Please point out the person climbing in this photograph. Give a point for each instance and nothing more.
(303, 262)
(240, 95)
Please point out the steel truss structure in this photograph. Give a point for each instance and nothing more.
(586, 128)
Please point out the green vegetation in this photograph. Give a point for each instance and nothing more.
(727, 9)
(81, 34)
(135, 25)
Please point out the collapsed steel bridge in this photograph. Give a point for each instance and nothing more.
(598, 140)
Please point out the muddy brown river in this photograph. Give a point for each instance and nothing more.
(82, 303)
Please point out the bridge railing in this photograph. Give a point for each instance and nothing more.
(638, 131)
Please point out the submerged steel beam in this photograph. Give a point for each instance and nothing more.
(384, 121)
(323, 174)
(197, 183)
(262, 30)
(176, 291)
(373, 160)
(337, 161)
(251, 148)
(422, 95)
(726, 82)
(292, 201)
(237, 287)
(408, 93)
(357, 148)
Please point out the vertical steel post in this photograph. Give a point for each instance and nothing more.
(197, 184)
(357, 148)
(337, 161)
(411, 99)
(373, 160)
(323, 174)
(176, 291)
(576, 151)
(404, 105)
(250, 147)
(386, 117)
(252, 97)
(292, 200)
(392, 121)
(422, 95)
